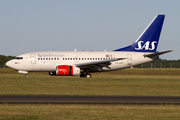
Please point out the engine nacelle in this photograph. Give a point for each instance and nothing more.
(65, 70)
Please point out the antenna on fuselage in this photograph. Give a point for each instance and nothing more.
(74, 50)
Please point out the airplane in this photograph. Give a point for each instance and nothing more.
(74, 63)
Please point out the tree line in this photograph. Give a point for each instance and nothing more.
(160, 63)
(4, 59)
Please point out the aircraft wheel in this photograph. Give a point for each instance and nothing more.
(88, 75)
(27, 75)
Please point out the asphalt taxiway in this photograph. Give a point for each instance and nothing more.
(50, 99)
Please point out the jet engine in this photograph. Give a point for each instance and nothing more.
(65, 70)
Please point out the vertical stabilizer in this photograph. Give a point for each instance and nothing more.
(149, 39)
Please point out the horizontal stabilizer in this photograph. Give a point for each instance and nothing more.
(157, 54)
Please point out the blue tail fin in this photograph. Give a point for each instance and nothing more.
(148, 40)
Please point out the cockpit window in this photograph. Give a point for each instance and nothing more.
(18, 58)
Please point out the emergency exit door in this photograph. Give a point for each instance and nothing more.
(129, 59)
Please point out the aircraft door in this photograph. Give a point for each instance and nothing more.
(33, 58)
(129, 59)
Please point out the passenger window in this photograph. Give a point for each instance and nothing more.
(54, 58)
(57, 58)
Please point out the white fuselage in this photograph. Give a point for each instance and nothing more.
(48, 61)
(83, 62)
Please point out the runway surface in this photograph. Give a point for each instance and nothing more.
(42, 99)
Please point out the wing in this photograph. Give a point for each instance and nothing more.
(97, 66)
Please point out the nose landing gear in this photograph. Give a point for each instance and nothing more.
(24, 72)
(27, 75)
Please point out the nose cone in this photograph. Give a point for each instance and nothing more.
(9, 63)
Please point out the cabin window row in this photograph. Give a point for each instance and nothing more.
(48, 58)
(87, 58)
(75, 58)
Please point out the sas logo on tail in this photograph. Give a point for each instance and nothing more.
(146, 45)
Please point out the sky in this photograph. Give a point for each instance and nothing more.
(98, 25)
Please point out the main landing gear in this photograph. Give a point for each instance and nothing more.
(85, 75)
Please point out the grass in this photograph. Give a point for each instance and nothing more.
(129, 82)
(88, 112)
